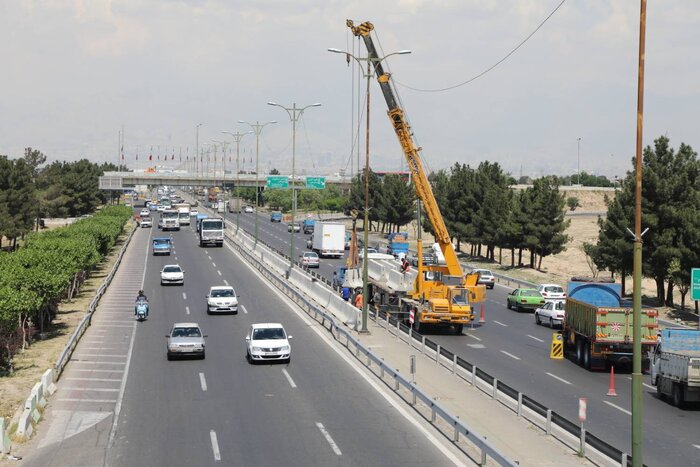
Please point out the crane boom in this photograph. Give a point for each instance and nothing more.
(410, 150)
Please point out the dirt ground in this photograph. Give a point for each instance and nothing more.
(42, 354)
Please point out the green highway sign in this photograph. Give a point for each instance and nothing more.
(277, 181)
(695, 284)
(316, 183)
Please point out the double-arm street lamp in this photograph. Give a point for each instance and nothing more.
(237, 137)
(368, 75)
(294, 113)
(257, 129)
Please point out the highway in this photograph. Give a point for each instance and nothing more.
(511, 347)
(313, 411)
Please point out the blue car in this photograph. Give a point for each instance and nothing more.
(162, 246)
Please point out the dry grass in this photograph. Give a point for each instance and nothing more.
(42, 354)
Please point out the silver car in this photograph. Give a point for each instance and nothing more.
(185, 339)
(486, 278)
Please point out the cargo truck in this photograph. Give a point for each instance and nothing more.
(675, 366)
(598, 325)
(329, 239)
(169, 220)
(235, 205)
(183, 213)
(308, 226)
(211, 231)
(398, 244)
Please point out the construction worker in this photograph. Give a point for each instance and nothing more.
(358, 299)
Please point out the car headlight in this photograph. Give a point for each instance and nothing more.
(257, 349)
(284, 348)
(172, 346)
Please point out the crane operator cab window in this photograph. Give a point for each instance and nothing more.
(460, 297)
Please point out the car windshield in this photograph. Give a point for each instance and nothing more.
(186, 332)
(529, 293)
(553, 289)
(212, 225)
(216, 293)
(161, 242)
(172, 269)
(310, 255)
(268, 333)
(559, 306)
(484, 272)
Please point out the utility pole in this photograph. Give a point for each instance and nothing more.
(637, 407)
(237, 137)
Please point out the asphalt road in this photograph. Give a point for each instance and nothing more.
(313, 411)
(511, 347)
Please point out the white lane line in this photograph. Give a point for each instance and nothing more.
(96, 401)
(218, 272)
(474, 337)
(100, 380)
(89, 389)
(560, 379)
(500, 324)
(244, 310)
(536, 338)
(120, 397)
(215, 445)
(184, 296)
(510, 355)
(187, 310)
(696, 446)
(329, 439)
(289, 378)
(618, 408)
(225, 282)
(203, 381)
(649, 386)
(176, 258)
(213, 263)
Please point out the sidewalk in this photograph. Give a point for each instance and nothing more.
(516, 437)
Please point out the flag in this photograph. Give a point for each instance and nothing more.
(180, 153)
(173, 158)
(137, 156)
(150, 157)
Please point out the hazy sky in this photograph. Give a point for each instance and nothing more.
(73, 72)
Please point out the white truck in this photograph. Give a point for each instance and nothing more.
(235, 205)
(329, 239)
(211, 231)
(675, 365)
(183, 210)
(169, 220)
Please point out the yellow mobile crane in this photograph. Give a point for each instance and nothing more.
(441, 294)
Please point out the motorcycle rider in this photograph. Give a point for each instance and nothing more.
(141, 296)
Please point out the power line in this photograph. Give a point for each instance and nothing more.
(492, 66)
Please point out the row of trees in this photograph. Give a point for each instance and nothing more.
(29, 192)
(671, 212)
(49, 267)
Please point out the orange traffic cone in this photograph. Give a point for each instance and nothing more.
(611, 390)
(482, 318)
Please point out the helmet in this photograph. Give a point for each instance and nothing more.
(140, 292)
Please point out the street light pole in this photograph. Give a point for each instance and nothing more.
(294, 113)
(365, 274)
(257, 129)
(196, 151)
(578, 159)
(237, 137)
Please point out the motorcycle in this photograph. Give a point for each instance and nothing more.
(141, 310)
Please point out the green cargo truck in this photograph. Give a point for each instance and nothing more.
(598, 326)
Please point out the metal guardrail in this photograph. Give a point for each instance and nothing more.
(459, 427)
(85, 322)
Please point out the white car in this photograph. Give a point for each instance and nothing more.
(551, 291)
(160, 208)
(310, 259)
(222, 299)
(145, 213)
(551, 312)
(185, 339)
(486, 278)
(193, 212)
(248, 209)
(267, 342)
(172, 274)
(146, 223)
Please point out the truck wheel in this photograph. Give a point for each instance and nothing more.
(579, 351)
(677, 395)
(659, 392)
(416, 325)
(587, 355)
(458, 329)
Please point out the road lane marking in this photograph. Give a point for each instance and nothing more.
(536, 338)
(187, 310)
(215, 445)
(474, 337)
(476, 346)
(388, 397)
(289, 378)
(510, 355)
(176, 258)
(500, 324)
(618, 408)
(329, 439)
(648, 386)
(225, 282)
(203, 381)
(218, 272)
(696, 446)
(244, 310)
(184, 296)
(560, 379)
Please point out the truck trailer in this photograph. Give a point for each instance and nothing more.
(598, 325)
(329, 239)
(675, 366)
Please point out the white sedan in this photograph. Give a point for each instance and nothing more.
(248, 209)
(267, 342)
(193, 212)
(551, 312)
(172, 274)
(145, 213)
(310, 259)
(551, 291)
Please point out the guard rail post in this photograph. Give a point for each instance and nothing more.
(494, 394)
(548, 426)
(520, 404)
(474, 375)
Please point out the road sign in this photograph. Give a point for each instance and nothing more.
(316, 183)
(695, 284)
(277, 181)
(582, 404)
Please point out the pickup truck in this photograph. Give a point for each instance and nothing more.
(162, 246)
(276, 217)
(675, 366)
(308, 226)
